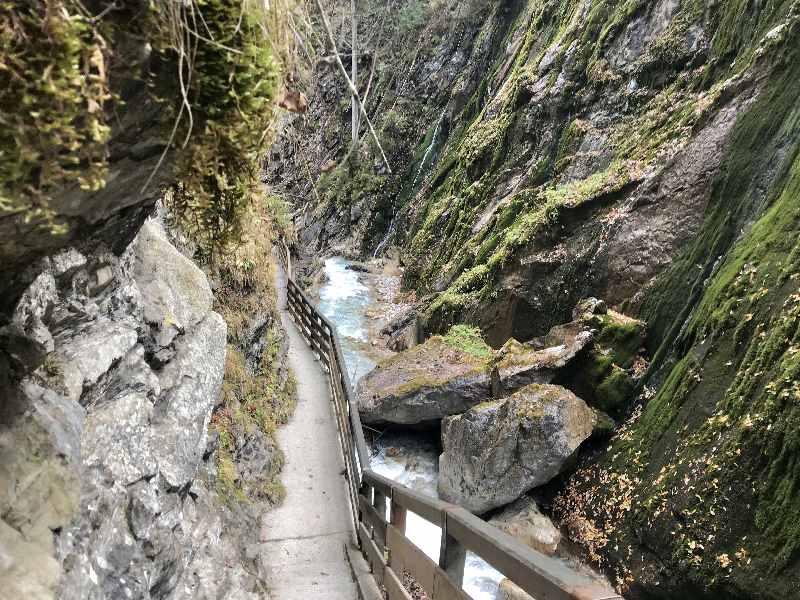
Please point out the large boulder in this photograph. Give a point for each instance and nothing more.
(500, 449)
(448, 375)
(519, 364)
(424, 384)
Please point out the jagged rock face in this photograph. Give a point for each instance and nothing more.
(103, 447)
(498, 450)
(523, 520)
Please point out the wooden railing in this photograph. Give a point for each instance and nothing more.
(380, 505)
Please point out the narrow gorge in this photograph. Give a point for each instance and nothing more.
(558, 242)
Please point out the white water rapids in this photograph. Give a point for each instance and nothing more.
(407, 458)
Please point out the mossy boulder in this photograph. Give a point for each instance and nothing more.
(500, 449)
(447, 375)
(606, 375)
(521, 364)
(424, 384)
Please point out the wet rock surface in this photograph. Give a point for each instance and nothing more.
(104, 457)
(498, 450)
(523, 520)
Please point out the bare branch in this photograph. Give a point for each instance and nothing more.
(350, 85)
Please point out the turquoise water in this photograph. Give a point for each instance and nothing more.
(413, 461)
(343, 299)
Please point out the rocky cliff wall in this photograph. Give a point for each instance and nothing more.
(641, 152)
(109, 472)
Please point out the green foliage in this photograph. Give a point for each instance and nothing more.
(232, 95)
(53, 88)
(253, 399)
(56, 100)
(467, 339)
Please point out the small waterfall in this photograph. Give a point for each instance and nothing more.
(390, 232)
(429, 149)
(386, 238)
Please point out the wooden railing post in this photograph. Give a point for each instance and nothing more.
(398, 517)
(380, 506)
(452, 556)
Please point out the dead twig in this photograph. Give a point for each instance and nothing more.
(350, 85)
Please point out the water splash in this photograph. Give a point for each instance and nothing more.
(344, 299)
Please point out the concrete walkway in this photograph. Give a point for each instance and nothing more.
(302, 548)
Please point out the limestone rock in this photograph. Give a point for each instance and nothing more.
(174, 290)
(423, 385)
(192, 383)
(519, 365)
(118, 436)
(500, 449)
(86, 353)
(523, 520)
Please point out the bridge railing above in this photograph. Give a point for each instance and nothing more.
(380, 505)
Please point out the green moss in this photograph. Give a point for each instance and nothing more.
(615, 391)
(232, 95)
(60, 84)
(570, 141)
(603, 376)
(53, 90)
(467, 339)
(710, 468)
(623, 336)
(251, 401)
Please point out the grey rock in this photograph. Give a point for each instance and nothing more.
(39, 462)
(423, 385)
(34, 306)
(499, 450)
(191, 384)
(118, 436)
(62, 418)
(508, 590)
(523, 520)
(67, 261)
(519, 365)
(143, 508)
(174, 290)
(588, 307)
(25, 352)
(87, 353)
(25, 571)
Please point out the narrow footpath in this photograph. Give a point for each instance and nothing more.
(303, 541)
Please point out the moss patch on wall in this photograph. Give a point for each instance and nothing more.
(258, 390)
(709, 469)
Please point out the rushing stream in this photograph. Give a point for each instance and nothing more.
(407, 458)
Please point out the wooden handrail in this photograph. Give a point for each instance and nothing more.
(383, 540)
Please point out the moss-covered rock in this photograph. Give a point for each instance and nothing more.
(498, 450)
(128, 98)
(705, 478)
